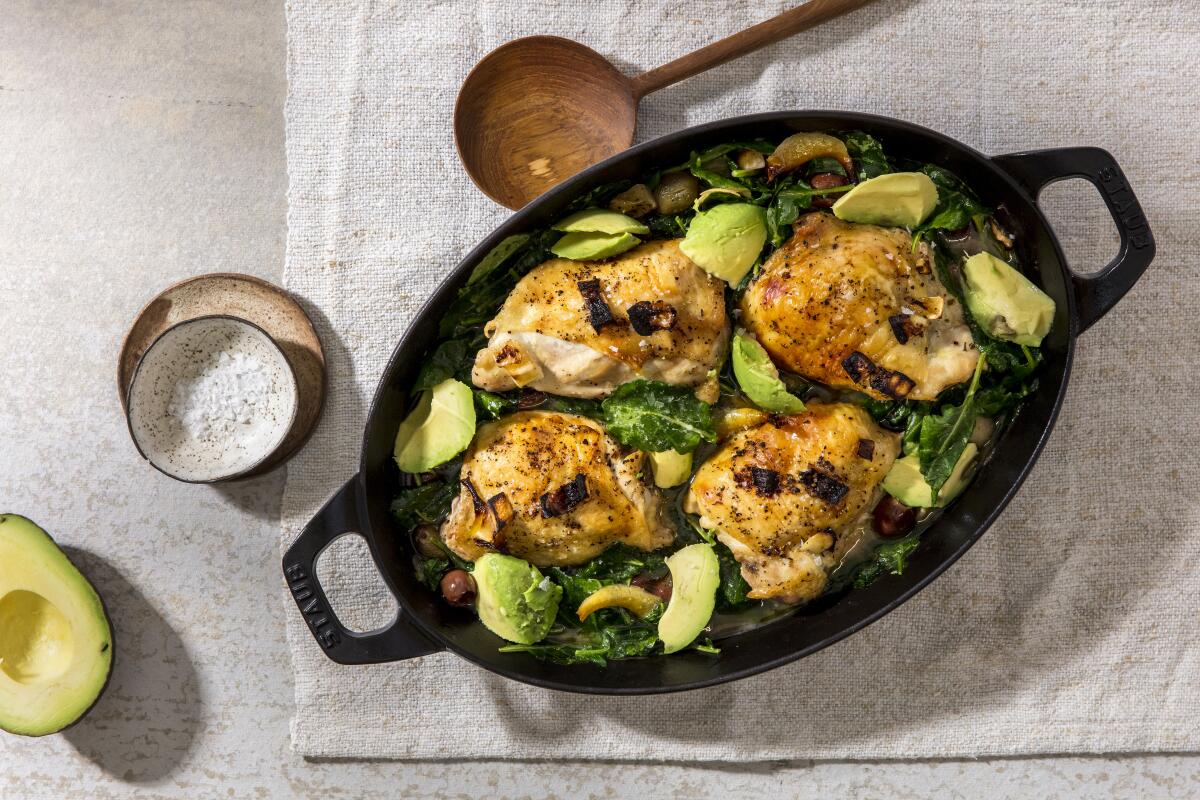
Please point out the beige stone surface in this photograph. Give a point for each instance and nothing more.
(142, 142)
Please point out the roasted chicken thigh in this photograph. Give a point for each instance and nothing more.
(781, 493)
(853, 306)
(582, 328)
(553, 489)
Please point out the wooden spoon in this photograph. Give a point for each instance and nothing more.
(537, 110)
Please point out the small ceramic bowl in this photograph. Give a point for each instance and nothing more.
(212, 399)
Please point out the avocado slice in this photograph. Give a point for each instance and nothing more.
(905, 482)
(1004, 302)
(514, 600)
(581, 246)
(897, 199)
(670, 467)
(438, 429)
(695, 575)
(599, 220)
(725, 240)
(56, 644)
(957, 481)
(759, 378)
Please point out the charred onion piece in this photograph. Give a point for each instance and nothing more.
(646, 317)
(766, 481)
(798, 149)
(863, 370)
(501, 508)
(900, 327)
(866, 449)
(564, 498)
(476, 500)
(824, 486)
(599, 314)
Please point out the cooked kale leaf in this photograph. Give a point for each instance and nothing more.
(957, 205)
(574, 405)
(944, 435)
(432, 570)
(869, 159)
(453, 358)
(609, 632)
(429, 502)
(493, 405)
(656, 416)
(890, 558)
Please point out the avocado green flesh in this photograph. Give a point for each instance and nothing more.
(597, 220)
(1004, 302)
(589, 246)
(514, 600)
(897, 199)
(905, 482)
(725, 240)
(55, 638)
(759, 378)
(695, 576)
(439, 428)
(670, 468)
(957, 481)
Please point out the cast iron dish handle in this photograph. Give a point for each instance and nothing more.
(396, 642)
(1094, 294)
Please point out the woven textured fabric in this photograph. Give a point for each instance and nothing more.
(1070, 627)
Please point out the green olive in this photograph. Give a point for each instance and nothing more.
(676, 192)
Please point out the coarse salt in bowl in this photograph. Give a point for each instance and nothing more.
(212, 398)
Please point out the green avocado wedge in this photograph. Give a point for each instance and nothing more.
(56, 644)
(1004, 302)
(897, 199)
(670, 468)
(905, 482)
(590, 246)
(759, 378)
(725, 240)
(438, 429)
(695, 576)
(599, 220)
(515, 601)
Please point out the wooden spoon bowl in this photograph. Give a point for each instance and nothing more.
(537, 110)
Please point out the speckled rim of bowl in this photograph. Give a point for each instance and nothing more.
(291, 373)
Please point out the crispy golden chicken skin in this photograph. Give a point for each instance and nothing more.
(582, 328)
(553, 489)
(780, 494)
(853, 307)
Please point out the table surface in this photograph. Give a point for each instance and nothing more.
(141, 143)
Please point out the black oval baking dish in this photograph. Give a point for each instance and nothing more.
(424, 625)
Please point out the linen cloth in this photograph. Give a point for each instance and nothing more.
(1070, 627)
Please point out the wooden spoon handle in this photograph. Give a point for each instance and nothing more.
(789, 23)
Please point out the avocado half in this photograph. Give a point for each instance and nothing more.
(56, 645)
